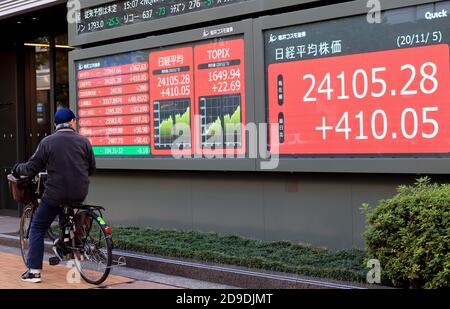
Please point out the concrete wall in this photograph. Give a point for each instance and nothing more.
(319, 209)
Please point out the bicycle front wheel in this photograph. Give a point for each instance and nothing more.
(24, 232)
(92, 248)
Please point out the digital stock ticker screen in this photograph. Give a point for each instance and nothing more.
(380, 90)
(122, 13)
(183, 100)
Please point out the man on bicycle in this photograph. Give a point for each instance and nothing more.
(69, 160)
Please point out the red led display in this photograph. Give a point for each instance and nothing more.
(220, 97)
(174, 103)
(113, 70)
(116, 100)
(120, 140)
(110, 91)
(172, 94)
(114, 105)
(119, 130)
(114, 80)
(391, 102)
(113, 121)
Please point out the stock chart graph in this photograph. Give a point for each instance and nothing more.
(172, 122)
(221, 125)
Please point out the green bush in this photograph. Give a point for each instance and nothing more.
(410, 234)
(280, 256)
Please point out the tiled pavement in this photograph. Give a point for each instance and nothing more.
(54, 277)
(11, 267)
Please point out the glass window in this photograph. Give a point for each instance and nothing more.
(62, 71)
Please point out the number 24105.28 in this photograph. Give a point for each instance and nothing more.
(360, 83)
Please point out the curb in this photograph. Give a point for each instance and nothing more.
(233, 276)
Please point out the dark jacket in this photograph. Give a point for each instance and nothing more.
(69, 160)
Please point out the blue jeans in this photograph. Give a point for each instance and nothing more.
(41, 222)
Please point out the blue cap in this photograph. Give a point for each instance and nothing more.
(64, 115)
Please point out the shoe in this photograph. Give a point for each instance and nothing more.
(32, 278)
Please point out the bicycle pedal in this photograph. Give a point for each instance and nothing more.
(54, 260)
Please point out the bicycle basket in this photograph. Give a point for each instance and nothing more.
(19, 189)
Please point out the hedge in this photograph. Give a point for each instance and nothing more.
(410, 234)
(280, 256)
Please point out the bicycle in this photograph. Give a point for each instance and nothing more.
(83, 235)
(39, 183)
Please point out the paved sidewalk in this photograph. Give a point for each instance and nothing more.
(11, 266)
(54, 277)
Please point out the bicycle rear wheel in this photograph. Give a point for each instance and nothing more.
(25, 225)
(92, 248)
(54, 230)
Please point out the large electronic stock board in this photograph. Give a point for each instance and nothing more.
(352, 91)
(183, 97)
(346, 90)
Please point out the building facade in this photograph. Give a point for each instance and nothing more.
(353, 99)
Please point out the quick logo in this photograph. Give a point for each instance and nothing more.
(436, 15)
